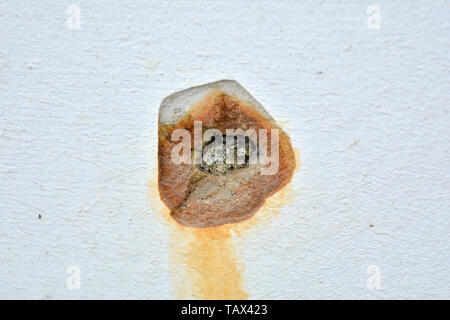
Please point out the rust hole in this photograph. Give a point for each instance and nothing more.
(214, 193)
(239, 149)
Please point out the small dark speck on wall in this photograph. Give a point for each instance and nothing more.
(39, 216)
(371, 225)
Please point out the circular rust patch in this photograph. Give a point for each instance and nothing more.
(208, 195)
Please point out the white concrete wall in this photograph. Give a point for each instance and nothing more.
(367, 108)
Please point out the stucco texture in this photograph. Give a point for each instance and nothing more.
(366, 103)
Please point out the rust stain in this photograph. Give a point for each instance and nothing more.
(297, 160)
(201, 200)
(212, 267)
(204, 262)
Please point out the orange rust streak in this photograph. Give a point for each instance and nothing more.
(204, 262)
(213, 265)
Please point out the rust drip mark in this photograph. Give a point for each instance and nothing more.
(204, 234)
(212, 264)
(204, 263)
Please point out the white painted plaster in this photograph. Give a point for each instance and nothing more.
(368, 110)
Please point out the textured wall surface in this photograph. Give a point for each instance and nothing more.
(365, 97)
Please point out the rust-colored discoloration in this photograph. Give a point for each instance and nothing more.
(213, 268)
(203, 200)
(204, 261)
